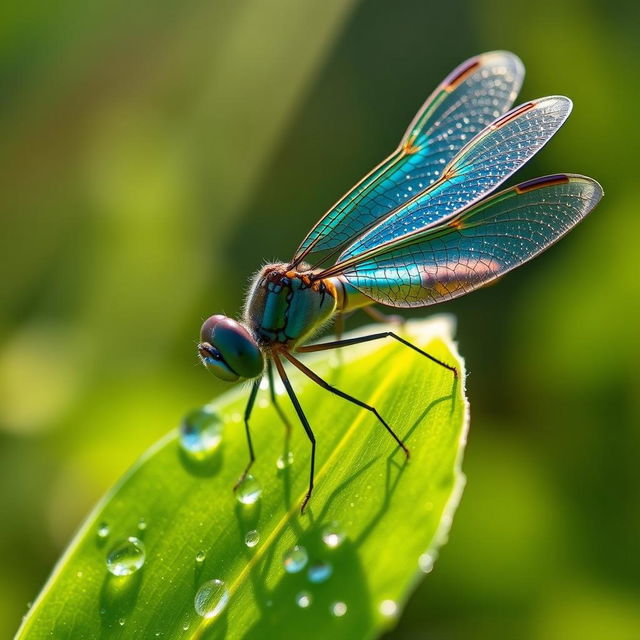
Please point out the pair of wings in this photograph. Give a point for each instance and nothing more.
(419, 228)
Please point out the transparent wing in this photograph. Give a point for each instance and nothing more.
(476, 246)
(481, 166)
(469, 99)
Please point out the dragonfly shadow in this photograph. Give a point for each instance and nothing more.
(281, 615)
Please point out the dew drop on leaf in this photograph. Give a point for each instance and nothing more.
(201, 556)
(103, 531)
(285, 461)
(126, 557)
(388, 608)
(319, 572)
(338, 609)
(249, 490)
(426, 560)
(332, 535)
(201, 433)
(303, 599)
(211, 599)
(252, 538)
(295, 559)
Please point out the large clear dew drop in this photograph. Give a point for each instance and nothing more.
(127, 557)
(211, 599)
(201, 433)
(252, 538)
(249, 490)
(295, 559)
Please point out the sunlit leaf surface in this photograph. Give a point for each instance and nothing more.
(201, 564)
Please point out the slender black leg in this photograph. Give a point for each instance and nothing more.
(274, 399)
(305, 424)
(337, 344)
(325, 385)
(247, 415)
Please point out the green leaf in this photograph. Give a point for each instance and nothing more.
(392, 512)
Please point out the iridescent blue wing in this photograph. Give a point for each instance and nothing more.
(480, 166)
(469, 99)
(475, 246)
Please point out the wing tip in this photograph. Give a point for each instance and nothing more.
(547, 102)
(542, 182)
(594, 191)
(469, 66)
(507, 56)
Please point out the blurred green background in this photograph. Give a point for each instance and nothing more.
(154, 155)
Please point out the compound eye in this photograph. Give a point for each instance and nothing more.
(208, 326)
(228, 349)
(212, 360)
(237, 347)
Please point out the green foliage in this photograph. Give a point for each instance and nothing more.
(391, 511)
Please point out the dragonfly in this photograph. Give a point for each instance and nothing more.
(424, 226)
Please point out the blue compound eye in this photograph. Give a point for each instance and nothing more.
(228, 350)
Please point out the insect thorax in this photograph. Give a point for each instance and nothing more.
(284, 307)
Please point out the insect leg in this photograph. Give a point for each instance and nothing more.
(325, 385)
(274, 399)
(247, 415)
(337, 344)
(305, 424)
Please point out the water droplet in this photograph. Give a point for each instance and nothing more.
(426, 560)
(201, 433)
(295, 559)
(332, 535)
(304, 599)
(121, 622)
(201, 556)
(319, 572)
(252, 538)
(338, 609)
(185, 626)
(388, 608)
(285, 461)
(249, 490)
(126, 557)
(142, 524)
(103, 530)
(211, 599)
